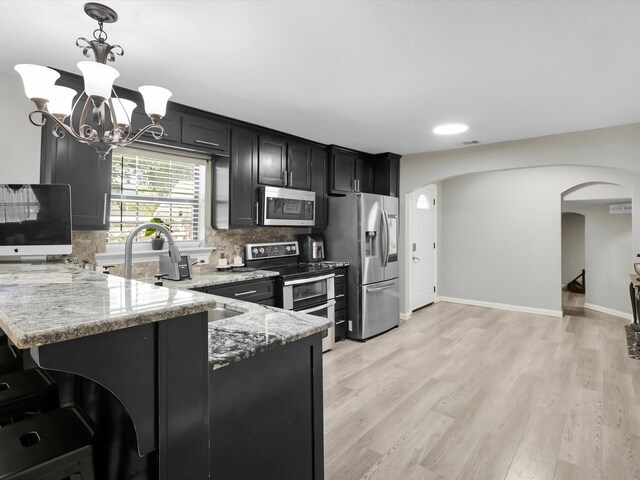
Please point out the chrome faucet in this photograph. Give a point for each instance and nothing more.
(174, 253)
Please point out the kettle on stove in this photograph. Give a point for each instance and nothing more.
(311, 247)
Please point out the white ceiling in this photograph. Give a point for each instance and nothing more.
(370, 75)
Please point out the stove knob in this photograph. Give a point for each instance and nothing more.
(261, 250)
(254, 250)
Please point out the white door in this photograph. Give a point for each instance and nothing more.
(422, 247)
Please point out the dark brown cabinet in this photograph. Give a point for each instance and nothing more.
(205, 133)
(234, 196)
(350, 172)
(266, 415)
(343, 171)
(272, 161)
(387, 174)
(255, 291)
(319, 176)
(284, 164)
(170, 122)
(341, 303)
(364, 174)
(65, 160)
(299, 165)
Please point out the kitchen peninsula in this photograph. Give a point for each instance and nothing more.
(155, 360)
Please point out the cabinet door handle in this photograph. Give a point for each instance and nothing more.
(203, 142)
(358, 185)
(340, 276)
(340, 296)
(244, 293)
(290, 179)
(286, 178)
(104, 210)
(257, 207)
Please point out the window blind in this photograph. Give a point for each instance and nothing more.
(148, 183)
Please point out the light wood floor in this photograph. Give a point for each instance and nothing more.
(460, 393)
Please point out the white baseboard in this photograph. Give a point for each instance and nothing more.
(609, 311)
(502, 306)
(405, 315)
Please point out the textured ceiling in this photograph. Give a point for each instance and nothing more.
(369, 75)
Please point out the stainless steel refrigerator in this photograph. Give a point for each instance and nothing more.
(363, 229)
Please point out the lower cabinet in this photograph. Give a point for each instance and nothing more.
(266, 415)
(341, 303)
(260, 291)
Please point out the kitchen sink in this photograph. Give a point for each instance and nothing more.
(220, 313)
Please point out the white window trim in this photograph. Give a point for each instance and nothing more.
(165, 154)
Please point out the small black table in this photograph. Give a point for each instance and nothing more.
(634, 293)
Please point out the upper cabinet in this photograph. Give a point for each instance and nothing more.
(299, 165)
(387, 174)
(284, 164)
(205, 133)
(319, 177)
(342, 171)
(351, 171)
(234, 195)
(170, 122)
(65, 160)
(272, 161)
(364, 173)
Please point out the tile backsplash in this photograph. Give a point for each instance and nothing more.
(87, 243)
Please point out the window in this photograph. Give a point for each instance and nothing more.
(149, 183)
(423, 203)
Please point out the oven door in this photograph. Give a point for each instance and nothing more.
(301, 293)
(287, 207)
(327, 310)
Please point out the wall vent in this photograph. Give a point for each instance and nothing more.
(467, 143)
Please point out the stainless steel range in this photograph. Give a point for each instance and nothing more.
(302, 287)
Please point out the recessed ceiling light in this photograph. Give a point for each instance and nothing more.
(450, 128)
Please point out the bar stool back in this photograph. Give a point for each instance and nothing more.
(51, 446)
(24, 393)
(10, 359)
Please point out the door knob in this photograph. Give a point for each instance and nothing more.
(415, 258)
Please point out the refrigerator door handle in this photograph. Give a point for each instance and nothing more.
(387, 239)
(377, 289)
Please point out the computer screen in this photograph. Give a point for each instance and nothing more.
(35, 220)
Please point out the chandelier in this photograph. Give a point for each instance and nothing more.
(95, 128)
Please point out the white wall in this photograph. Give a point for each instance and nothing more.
(607, 257)
(573, 246)
(616, 148)
(500, 234)
(20, 146)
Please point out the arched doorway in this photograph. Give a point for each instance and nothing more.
(601, 212)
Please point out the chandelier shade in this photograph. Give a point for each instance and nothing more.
(98, 78)
(122, 110)
(55, 102)
(61, 101)
(155, 100)
(37, 80)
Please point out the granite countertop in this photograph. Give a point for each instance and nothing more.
(207, 279)
(49, 303)
(258, 329)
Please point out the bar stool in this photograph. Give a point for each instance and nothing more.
(25, 393)
(51, 446)
(10, 359)
(3, 338)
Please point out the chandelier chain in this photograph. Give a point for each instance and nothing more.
(99, 34)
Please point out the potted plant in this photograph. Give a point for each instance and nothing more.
(157, 242)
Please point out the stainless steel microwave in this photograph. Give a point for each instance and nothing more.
(287, 207)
